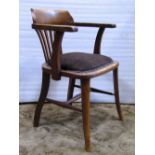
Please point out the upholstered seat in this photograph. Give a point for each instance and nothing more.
(83, 61)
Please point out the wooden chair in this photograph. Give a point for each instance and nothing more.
(50, 26)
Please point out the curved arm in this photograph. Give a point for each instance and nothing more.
(97, 45)
(101, 26)
(62, 28)
(56, 55)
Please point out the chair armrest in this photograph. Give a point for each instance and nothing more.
(101, 29)
(62, 28)
(104, 25)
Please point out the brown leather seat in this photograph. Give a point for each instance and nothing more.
(78, 61)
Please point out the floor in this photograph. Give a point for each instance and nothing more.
(60, 131)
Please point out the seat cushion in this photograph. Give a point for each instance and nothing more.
(78, 61)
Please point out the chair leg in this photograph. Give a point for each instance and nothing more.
(70, 88)
(85, 91)
(116, 90)
(43, 94)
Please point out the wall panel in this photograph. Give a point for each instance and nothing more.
(117, 43)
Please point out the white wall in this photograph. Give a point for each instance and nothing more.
(117, 43)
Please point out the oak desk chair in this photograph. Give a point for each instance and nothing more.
(50, 26)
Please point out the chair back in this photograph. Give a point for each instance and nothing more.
(51, 40)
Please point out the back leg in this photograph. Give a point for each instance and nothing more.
(116, 90)
(43, 94)
(70, 88)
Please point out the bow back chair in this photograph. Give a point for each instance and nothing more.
(50, 26)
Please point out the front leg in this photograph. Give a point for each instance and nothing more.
(43, 94)
(85, 91)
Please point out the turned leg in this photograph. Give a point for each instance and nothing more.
(116, 90)
(85, 91)
(70, 88)
(43, 94)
